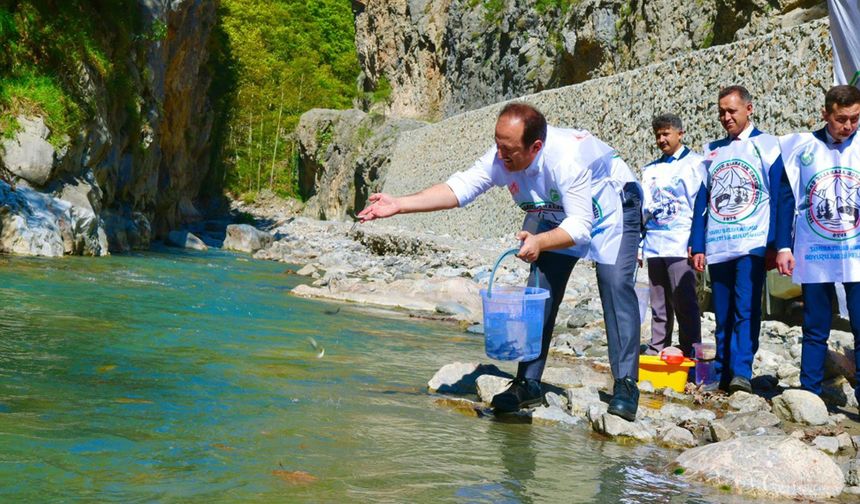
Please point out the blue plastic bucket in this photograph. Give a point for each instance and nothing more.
(513, 319)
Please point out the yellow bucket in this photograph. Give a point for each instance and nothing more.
(661, 374)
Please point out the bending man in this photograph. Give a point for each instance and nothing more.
(549, 171)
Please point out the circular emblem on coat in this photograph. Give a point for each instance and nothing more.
(833, 198)
(736, 191)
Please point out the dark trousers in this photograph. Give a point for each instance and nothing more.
(553, 270)
(736, 293)
(616, 284)
(673, 294)
(817, 313)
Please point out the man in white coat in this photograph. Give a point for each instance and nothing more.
(569, 215)
(818, 226)
(671, 184)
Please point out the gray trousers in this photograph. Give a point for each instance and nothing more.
(673, 294)
(616, 284)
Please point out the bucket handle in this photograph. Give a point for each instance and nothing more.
(496, 266)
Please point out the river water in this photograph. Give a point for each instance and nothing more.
(176, 377)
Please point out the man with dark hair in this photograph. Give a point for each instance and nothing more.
(553, 177)
(818, 226)
(671, 183)
(733, 228)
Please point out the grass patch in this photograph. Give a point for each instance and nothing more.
(38, 95)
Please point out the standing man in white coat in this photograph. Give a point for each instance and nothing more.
(818, 226)
(548, 172)
(671, 183)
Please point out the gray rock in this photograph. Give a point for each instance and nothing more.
(743, 401)
(827, 444)
(553, 415)
(564, 377)
(475, 329)
(595, 411)
(800, 406)
(246, 238)
(553, 399)
(852, 472)
(778, 466)
(33, 223)
(845, 442)
(489, 385)
(581, 317)
(582, 399)
(185, 239)
(29, 155)
(677, 413)
(677, 437)
(307, 270)
(460, 377)
(646, 387)
(615, 426)
(733, 423)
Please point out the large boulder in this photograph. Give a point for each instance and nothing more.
(185, 239)
(28, 154)
(778, 466)
(246, 238)
(33, 223)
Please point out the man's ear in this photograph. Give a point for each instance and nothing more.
(536, 146)
(824, 114)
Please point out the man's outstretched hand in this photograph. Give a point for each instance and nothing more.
(381, 206)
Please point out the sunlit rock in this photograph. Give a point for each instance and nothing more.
(778, 466)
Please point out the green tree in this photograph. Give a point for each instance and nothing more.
(286, 57)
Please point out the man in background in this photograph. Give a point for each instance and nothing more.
(671, 183)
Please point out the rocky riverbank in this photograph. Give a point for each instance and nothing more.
(804, 446)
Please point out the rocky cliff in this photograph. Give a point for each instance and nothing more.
(443, 57)
(343, 158)
(132, 172)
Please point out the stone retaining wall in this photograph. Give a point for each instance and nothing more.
(787, 72)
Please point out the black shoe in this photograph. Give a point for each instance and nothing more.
(739, 383)
(625, 399)
(521, 394)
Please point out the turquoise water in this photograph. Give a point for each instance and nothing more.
(178, 377)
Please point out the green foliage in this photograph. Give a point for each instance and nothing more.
(282, 58)
(38, 95)
(546, 6)
(382, 93)
(325, 137)
(45, 45)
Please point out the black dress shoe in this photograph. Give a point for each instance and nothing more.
(625, 399)
(522, 393)
(740, 383)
